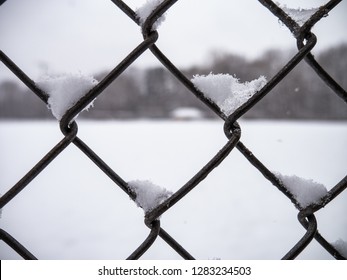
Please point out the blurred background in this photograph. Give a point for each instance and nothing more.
(71, 210)
(245, 40)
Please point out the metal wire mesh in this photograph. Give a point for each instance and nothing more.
(306, 41)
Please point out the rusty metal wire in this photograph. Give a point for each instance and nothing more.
(306, 41)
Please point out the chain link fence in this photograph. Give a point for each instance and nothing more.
(306, 41)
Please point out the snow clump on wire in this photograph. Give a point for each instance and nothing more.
(146, 9)
(300, 16)
(305, 191)
(227, 91)
(148, 195)
(64, 91)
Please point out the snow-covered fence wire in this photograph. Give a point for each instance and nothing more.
(222, 93)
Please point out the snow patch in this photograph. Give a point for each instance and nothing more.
(226, 91)
(65, 90)
(148, 195)
(146, 9)
(341, 246)
(187, 113)
(299, 15)
(305, 191)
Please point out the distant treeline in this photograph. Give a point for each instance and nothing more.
(156, 93)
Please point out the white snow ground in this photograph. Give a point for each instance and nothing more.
(73, 211)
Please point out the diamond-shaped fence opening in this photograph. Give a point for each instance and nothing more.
(226, 97)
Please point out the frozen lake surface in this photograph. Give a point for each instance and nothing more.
(73, 211)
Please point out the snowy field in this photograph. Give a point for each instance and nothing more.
(73, 211)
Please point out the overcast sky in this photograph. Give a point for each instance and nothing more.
(49, 36)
